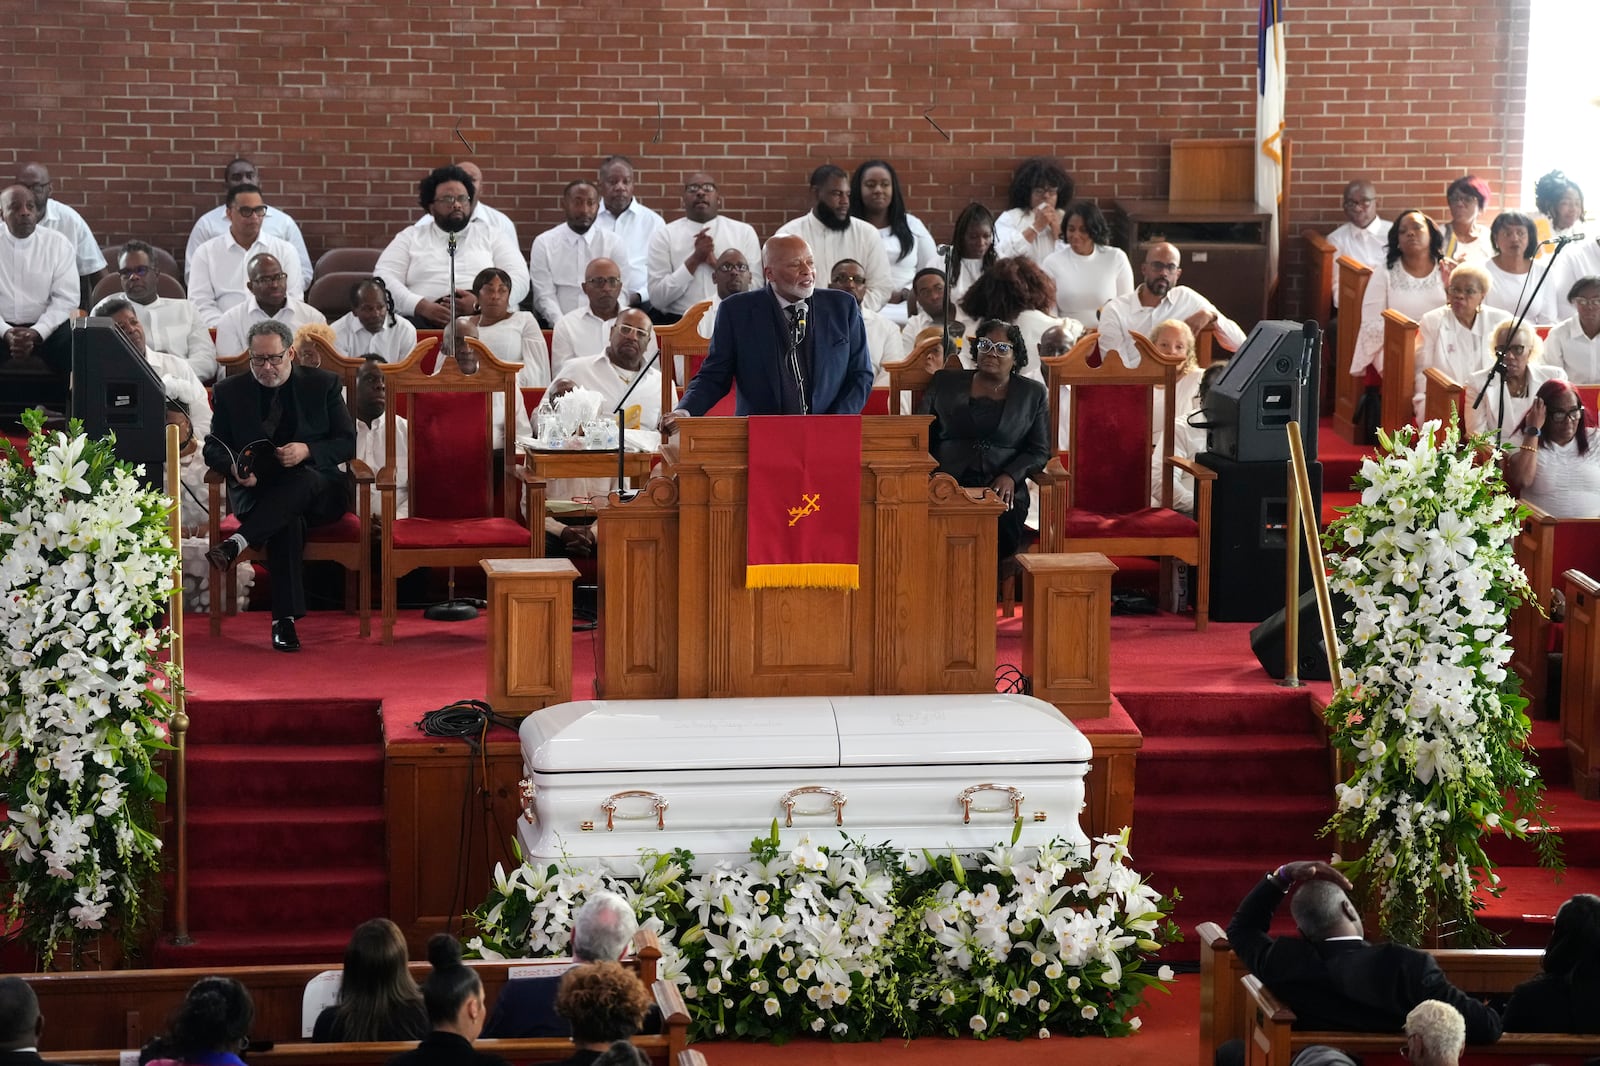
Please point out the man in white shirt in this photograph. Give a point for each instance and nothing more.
(1574, 344)
(557, 259)
(219, 270)
(927, 288)
(38, 293)
(583, 331)
(276, 223)
(1159, 298)
(268, 298)
(370, 401)
(171, 325)
(178, 380)
(55, 215)
(634, 224)
(684, 254)
(834, 234)
(883, 339)
(372, 327)
(733, 275)
(1365, 236)
(417, 263)
(480, 210)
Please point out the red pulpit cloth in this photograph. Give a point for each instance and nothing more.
(805, 502)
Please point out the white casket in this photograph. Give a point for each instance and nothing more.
(607, 778)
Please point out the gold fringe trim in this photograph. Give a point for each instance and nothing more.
(803, 576)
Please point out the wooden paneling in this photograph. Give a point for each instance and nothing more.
(1580, 684)
(1347, 388)
(1066, 632)
(530, 633)
(1399, 371)
(1213, 169)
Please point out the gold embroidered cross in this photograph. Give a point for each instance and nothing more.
(812, 504)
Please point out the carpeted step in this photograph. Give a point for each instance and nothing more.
(231, 775)
(1548, 749)
(1184, 824)
(1264, 765)
(219, 948)
(284, 721)
(1174, 714)
(1529, 898)
(285, 897)
(317, 836)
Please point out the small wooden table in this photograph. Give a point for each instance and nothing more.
(575, 463)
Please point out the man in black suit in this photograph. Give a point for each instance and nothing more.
(280, 434)
(21, 1024)
(788, 348)
(1329, 975)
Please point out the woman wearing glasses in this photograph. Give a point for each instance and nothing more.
(1526, 374)
(991, 425)
(1556, 468)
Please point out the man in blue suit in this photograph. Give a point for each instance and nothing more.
(788, 348)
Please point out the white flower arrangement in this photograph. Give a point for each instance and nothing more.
(858, 943)
(85, 570)
(1426, 715)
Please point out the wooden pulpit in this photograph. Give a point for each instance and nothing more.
(676, 620)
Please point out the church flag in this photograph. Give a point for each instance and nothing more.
(804, 528)
(1269, 122)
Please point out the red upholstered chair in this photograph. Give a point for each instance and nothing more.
(1108, 480)
(459, 515)
(346, 542)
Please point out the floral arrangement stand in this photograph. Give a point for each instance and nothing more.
(86, 565)
(1428, 719)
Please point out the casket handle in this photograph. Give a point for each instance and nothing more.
(528, 791)
(965, 799)
(790, 797)
(609, 805)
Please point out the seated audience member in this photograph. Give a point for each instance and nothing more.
(602, 930)
(172, 325)
(1465, 238)
(55, 215)
(1435, 1034)
(38, 290)
(928, 292)
(991, 425)
(1565, 996)
(1364, 236)
(1158, 298)
(281, 436)
(269, 300)
(1031, 224)
(620, 1053)
(372, 327)
(733, 275)
(418, 266)
(1455, 339)
(480, 211)
(1556, 468)
(1574, 345)
(685, 253)
(513, 336)
(21, 1024)
(1526, 373)
(583, 331)
(370, 402)
(557, 259)
(634, 225)
(877, 199)
(219, 269)
(210, 1028)
(378, 1000)
(215, 222)
(1329, 975)
(1173, 338)
(1017, 291)
(453, 996)
(833, 234)
(178, 381)
(1087, 269)
(603, 1003)
(973, 240)
(1515, 240)
(1559, 200)
(1411, 282)
(883, 339)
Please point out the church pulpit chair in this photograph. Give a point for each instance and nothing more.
(464, 497)
(682, 351)
(1348, 389)
(909, 376)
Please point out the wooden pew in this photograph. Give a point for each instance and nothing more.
(124, 1008)
(1347, 390)
(1441, 395)
(1580, 682)
(1320, 276)
(1273, 1041)
(1399, 370)
(1546, 548)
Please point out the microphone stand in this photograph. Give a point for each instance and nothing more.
(1499, 368)
(952, 264)
(452, 609)
(622, 442)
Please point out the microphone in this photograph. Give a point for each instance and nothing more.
(946, 250)
(801, 310)
(1571, 238)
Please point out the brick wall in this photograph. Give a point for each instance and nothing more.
(136, 105)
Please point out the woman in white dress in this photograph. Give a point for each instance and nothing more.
(1466, 238)
(876, 197)
(1560, 201)
(1526, 375)
(1412, 282)
(1515, 239)
(1454, 339)
(974, 243)
(1031, 226)
(513, 336)
(1088, 271)
(1574, 345)
(1556, 468)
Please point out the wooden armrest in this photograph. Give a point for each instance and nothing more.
(670, 1002)
(1440, 378)
(215, 477)
(1192, 468)
(1264, 1003)
(1582, 582)
(362, 472)
(1317, 240)
(1052, 473)
(1213, 936)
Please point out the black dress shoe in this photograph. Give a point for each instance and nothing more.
(222, 555)
(284, 638)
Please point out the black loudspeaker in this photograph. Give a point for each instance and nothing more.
(115, 391)
(1271, 380)
(1267, 640)
(1249, 517)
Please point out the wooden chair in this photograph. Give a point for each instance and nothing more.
(167, 286)
(1347, 389)
(346, 542)
(1107, 483)
(1400, 336)
(1320, 276)
(1546, 548)
(682, 351)
(334, 260)
(909, 377)
(455, 519)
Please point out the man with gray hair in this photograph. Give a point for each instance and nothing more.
(1329, 975)
(21, 1024)
(1435, 1034)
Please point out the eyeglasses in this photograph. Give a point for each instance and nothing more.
(1586, 301)
(452, 201)
(133, 272)
(605, 283)
(734, 268)
(701, 186)
(984, 346)
(1162, 268)
(270, 279)
(259, 211)
(1469, 290)
(854, 279)
(268, 360)
(634, 331)
(1352, 202)
(1569, 414)
(1516, 349)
